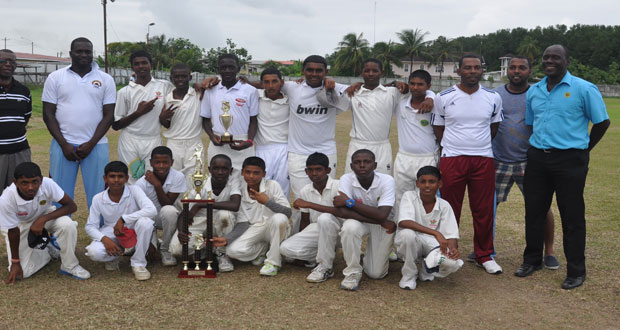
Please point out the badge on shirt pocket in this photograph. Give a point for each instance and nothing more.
(43, 202)
(96, 83)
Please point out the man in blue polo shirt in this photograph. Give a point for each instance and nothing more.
(560, 108)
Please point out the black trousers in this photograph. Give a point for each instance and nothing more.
(562, 172)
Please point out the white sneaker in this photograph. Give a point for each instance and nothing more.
(491, 267)
(225, 264)
(269, 269)
(53, 252)
(167, 259)
(258, 261)
(407, 284)
(112, 265)
(77, 272)
(351, 281)
(141, 273)
(423, 276)
(319, 274)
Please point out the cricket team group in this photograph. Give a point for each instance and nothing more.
(283, 141)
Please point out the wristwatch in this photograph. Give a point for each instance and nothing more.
(350, 203)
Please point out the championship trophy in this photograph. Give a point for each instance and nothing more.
(198, 179)
(227, 120)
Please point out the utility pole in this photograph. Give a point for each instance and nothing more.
(105, 36)
(5, 39)
(374, 32)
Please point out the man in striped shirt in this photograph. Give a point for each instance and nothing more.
(15, 110)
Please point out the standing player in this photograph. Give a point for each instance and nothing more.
(272, 136)
(243, 102)
(465, 119)
(15, 111)
(181, 118)
(78, 109)
(511, 143)
(137, 112)
(26, 209)
(163, 186)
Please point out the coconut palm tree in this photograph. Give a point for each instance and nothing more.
(442, 49)
(412, 43)
(388, 53)
(529, 48)
(352, 51)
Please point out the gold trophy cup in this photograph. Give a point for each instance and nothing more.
(227, 120)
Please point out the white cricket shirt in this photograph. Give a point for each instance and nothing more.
(310, 194)
(380, 192)
(186, 122)
(130, 96)
(441, 218)
(415, 133)
(15, 209)
(79, 101)
(372, 112)
(243, 101)
(467, 120)
(175, 183)
(312, 127)
(233, 187)
(272, 120)
(254, 212)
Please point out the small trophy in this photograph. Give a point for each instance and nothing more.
(198, 179)
(227, 120)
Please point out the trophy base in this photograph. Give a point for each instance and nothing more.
(226, 138)
(202, 273)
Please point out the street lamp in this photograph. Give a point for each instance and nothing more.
(148, 31)
(105, 34)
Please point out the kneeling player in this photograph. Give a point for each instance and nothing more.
(267, 210)
(426, 223)
(226, 190)
(120, 206)
(26, 210)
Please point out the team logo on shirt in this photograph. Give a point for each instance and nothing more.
(240, 102)
(567, 94)
(318, 110)
(96, 83)
(158, 95)
(43, 202)
(22, 214)
(424, 122)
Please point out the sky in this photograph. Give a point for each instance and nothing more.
(278, 29)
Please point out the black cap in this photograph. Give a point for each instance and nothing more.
(38, 241)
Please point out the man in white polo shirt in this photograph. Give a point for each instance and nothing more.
(272, 135)
(181, 117)
(465, 118)
(78, 109)
(242, 100)
(136, 115)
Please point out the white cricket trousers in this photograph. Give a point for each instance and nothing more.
(166, 220)
(237, 156)
(381, 149)
(303, 245)
(182, 152)
(329, 227)
(406, 166)
(411, 246)
(144, 229)
(32, 260)
(378, 248)
(259, 238)
(223, 223)
(275, 156)
(132, 147)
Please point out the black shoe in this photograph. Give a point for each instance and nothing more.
(526, 270)
(573, 282)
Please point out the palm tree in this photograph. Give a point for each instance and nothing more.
(412, 43)
(387, 53)
(442, 49)
(160, 47)
(352, 51)
(529, 48)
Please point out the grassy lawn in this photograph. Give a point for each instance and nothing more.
(242, 299)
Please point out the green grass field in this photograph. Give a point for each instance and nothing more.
(467, 299)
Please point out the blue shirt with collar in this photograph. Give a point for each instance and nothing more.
(560, 117)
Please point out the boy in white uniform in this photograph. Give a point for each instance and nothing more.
(365, 201)
(314, 197)
(242, 101)
(26, 206)
(136, 114)
(121, 205)
(267, 210)
(181, 118)
(272, 135)
(417, 145)
(426, 222)
(163, 186)
(226, 191)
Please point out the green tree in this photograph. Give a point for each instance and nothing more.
(529, 48)
(412, 43)
(388, 53)
(352, 51)
(231, 48)
(442, 49)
